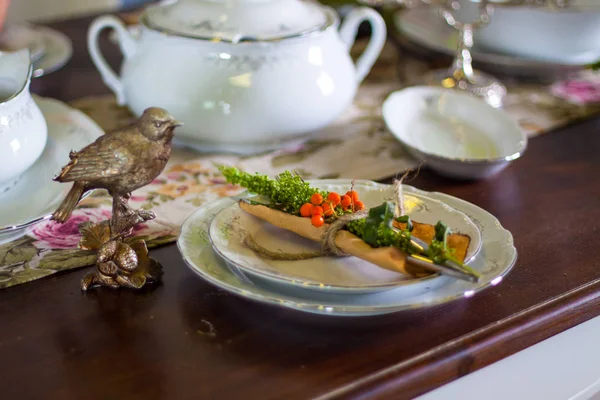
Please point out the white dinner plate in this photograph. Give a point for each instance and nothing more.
(36, 195)
(495, 259)
(349, 275)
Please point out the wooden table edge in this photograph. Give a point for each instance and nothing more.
(480, 348)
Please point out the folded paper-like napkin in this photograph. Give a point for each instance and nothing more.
(390, 258)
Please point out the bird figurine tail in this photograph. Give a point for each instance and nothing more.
(64, 211)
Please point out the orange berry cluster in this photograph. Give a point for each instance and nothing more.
(319, 208)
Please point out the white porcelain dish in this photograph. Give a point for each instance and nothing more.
(456, 134)
(36, 195)
(240, 74)
(494, 261)
(348, 275)
(423, 30)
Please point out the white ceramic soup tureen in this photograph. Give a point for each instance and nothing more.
(243, 75)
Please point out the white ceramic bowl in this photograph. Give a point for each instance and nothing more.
(567, 37)
(456, 134)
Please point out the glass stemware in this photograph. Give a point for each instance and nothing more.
(461, 74)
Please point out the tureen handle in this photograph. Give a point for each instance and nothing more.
(348, 32)
(126, 43)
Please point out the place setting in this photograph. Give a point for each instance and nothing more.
(214, 244)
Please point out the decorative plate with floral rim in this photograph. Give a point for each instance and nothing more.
(495, 259)
(349, 275)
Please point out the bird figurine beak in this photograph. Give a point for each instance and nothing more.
(176, 124)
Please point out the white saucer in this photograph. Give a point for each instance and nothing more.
(348, 275)
(36, 195)
(20, 36)
(496, 258)
(57, 51)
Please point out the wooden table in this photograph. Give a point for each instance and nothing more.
(186, 339)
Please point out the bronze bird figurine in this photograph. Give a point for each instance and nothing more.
(120, 161)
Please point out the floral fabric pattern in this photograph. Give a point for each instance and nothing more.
(581, 90)
(52, 235)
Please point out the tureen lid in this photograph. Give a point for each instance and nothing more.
(237, 20)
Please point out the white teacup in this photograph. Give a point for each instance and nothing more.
(23, 130)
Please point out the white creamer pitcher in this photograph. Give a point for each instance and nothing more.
(23, 130)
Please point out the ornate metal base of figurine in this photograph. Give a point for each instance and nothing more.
(120, 261)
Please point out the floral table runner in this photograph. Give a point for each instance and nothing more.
(192, 179)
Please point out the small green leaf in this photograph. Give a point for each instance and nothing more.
(441, 232)
(380, 216)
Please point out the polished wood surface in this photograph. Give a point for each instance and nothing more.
(187, 340)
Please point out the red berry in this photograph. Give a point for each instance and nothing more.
(328, 209)
(317, 210)
(316, 199)
(306, 210)
(359, 205)
(353, 195)
(334, 198)
(346, 201)
(317, 220)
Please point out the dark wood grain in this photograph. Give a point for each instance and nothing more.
(187, 340)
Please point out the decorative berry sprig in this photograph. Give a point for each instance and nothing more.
(322, 208)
